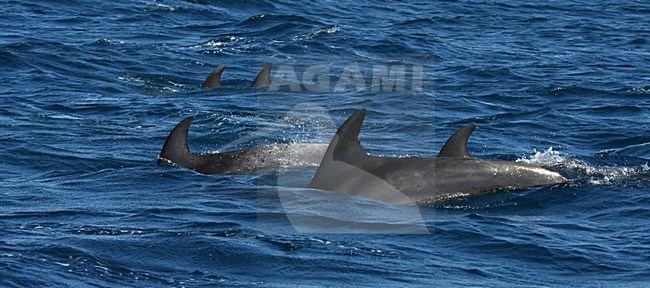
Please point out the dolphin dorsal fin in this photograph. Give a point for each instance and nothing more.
(343, 154)
(456, 145)
(214, 79)
(176, 149)
(263, 78)
(348, 147)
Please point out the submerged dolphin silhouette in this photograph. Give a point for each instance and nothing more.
(347, 168)
(213, 80)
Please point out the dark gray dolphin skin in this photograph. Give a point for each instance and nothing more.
(214, 79)
(263, 78)
(347, 168)
(243, 161)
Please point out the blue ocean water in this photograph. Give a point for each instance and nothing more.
(91, 90)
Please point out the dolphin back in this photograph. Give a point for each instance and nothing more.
(456, 145)
(214, 79)
(348, 147)
(347, 168)
(263, 78)
(176, 149)
(344, 149)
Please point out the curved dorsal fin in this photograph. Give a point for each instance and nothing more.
(263, 78)
(214, 79)
(456, 145)
(176, 149)
(348, 147)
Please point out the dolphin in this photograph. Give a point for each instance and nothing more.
(243, 161)
(344, 166)
(347, 168)
(213, 80)
(263, 78)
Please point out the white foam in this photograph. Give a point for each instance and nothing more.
(130, 79)
(216, 43)
(64, 117)
(598, 175)
(314, 34)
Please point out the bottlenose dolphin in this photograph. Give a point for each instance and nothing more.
(243, 161)
(263, 78)
(347, 168)
(213, 80)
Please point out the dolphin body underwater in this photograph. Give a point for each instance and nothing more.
(346, 167)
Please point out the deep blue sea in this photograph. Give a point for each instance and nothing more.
(91, 89)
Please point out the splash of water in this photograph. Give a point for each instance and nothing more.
(597, 175)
